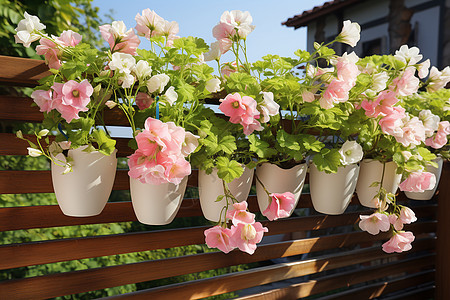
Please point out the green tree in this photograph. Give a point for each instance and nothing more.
(57, 15)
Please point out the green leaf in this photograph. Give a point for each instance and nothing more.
(328, 160)
(219, 198)
(227, 144)
(260, 147)
(228, 170)
(106, 145)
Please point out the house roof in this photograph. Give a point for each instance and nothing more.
(308, 16)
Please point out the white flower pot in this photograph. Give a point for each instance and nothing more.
(278, 180)
(427, 195)
(156, 204)
(370, 172)
(85, 191)
(332, 193)
(211, 186)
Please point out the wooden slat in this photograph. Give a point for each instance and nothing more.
(26, 254)
(420, 293)
(383, 288)
(12, 182)
(11, 106)
(51, 215)
(22, 71)
(93, 279)
(443, 234)
(11, 145)
(255, 277)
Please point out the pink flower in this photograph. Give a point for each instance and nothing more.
(43, 99)
(399, 242)
(143, 100)
(239, 214)
(149, 24)
(396, 222)
(72, 97)
(337, 91)
(280, 206)
(153, 139)
(440, 138)
(119, 38)
(407, 84)
(418, 182)
(407, 215)
(170, 31)
(228, 68)
(392, 123)
(246, 236)
(242, 110)
(413, 133)
(239, 20)
(218, 237)
(375, 223)
(50, 51)
(176, 168)
(146, 169)
(69, 38)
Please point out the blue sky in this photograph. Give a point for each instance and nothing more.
(197, 18)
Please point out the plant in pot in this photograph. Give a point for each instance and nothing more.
(165, 83)
(389, 131)
(432, 108)
(82, 153)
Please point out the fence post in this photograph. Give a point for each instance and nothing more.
(443, 236)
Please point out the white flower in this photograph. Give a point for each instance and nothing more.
(110, 104)
(351, 153)
(118, 29)
(190, 143)
(424, 69)
(157, 83)
(27, 28)
(127, 80)
(409, 56)
(171, 95)
(350, 33)
(239, 19)
(213, 85)
(438, 79)
(43, 132)
(142, 70)
(34, 152)
(214, 52)
(430, 122)
(268, 107)
(123, 62)
(379, 81)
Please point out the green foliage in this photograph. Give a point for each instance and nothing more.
(327, 160)
(77, 15)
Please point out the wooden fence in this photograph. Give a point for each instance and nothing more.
(308, 254)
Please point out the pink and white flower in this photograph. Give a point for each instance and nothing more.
(375, 223)
(119, 38)
(399, 242)
(149, 24)
(246, 236)
(439, 140)
(268, 107)
(71, 97)
(418, 182)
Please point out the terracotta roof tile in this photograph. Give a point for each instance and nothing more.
(307, 16)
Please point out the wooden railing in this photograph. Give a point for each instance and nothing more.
(304, 255)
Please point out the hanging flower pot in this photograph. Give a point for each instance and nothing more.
(156, 204)
(211, 186)
(371, 171)
(84, 192)
(278, 180)
(428, 194)
(332, 193)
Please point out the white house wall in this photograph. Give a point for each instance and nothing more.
(368, 11)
